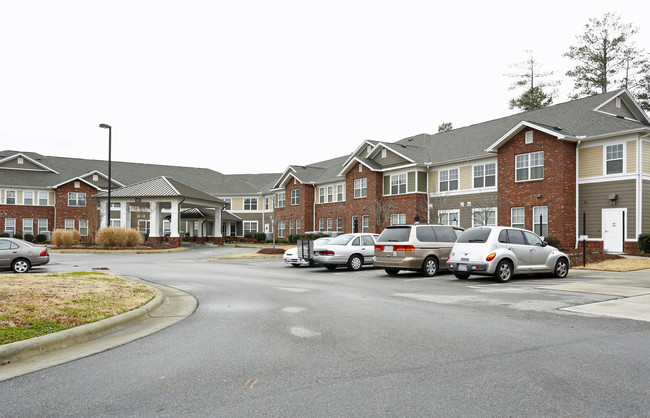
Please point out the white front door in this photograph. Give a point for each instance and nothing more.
(613, 225)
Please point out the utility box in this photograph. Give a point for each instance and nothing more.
(305, 249)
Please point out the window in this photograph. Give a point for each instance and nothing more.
(83, 227)
(281, 199)
(398, 184)
(228, 203)
(10, 225)
(267, 203)
(28, 198)
(360, 168)
(529, 166)
(21, 160)
(339, 193)
(540, 220)
(449, 217)
(383, 153)
(250, 203)
(448, 180)
(95, 177)
(43, 198)
(28, 226)
(115, 223)
(321, 195)
(143, 226)
(398, 219)
(517, 217)
(614, 159)
(329, 224)
(330, 194)
(339, 224)
(533, 239)
(528, 137)
(42, 225)
(365, 223)
(355, 224)
(281, 229)
(167, 227)
(10, 198)
(77, 199)
(69, 224)
(618, 102)
(360, 188)
(484, 175)
(250, 226)
(483, 217)
(295, 197)
(321, 224)
(298, 227)
(290, 226)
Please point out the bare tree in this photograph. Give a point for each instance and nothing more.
(437, 203)
(483, 207)
(381, 210)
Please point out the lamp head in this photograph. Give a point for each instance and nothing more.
(105, 126)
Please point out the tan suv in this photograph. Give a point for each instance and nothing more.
(422, 248)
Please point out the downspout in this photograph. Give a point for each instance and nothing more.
(428, 195)
(313, 211)
(577, 236)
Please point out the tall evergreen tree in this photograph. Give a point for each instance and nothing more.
(537, 93)
(445, 126)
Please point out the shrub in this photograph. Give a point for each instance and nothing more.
(4, 235)
(134, 238)
(65, 238)
(41, 238)
(260, 236)
(110, 237)
(29, 237)
(552, 241)
(18, 236)
(644, 243)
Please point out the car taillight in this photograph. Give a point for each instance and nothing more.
(379, 248)
(490, 256)
(44, 253)
(327, 252)
(403, 248)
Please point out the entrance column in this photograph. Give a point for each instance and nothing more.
(103, 204)
(174, 235)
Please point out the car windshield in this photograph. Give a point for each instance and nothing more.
(397, 234)
(341, 240)
(474, 235)
(321, 241)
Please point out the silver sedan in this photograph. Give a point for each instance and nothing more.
(351, 250)
(21, 255)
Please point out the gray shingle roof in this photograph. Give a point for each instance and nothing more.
(161, 187)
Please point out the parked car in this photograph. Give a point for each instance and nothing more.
(424, 248)
(291, 255)
(351, 250)
(21, 255)
(501, 252)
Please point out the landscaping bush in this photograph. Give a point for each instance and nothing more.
(41, 238)
(18, 236)
(134, 238)
(65, 238)
(552, 241)
(110, 237)
(260, 236)
(4, 235)
(644, 243)
(29, 238)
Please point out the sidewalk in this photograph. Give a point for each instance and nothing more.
(167, 308)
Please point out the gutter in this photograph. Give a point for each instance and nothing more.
(578, 194)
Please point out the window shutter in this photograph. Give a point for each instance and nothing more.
(386, 185)
(410, 185)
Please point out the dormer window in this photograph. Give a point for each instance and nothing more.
(21, 160)
(95, 177)
(360, 168)
(383, 153)
(77, 184)
(618, 102)
(529, 137)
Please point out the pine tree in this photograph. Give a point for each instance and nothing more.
(536, 94)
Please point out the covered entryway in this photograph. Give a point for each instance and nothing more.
(614, 221)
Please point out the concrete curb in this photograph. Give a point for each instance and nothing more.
(168, 307)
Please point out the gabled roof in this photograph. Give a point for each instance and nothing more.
(4, 159)
(317, 173)
(523, 125)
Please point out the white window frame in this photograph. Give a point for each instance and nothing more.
(298, 227)
(365, 223)
(295, 197)
(339, 192)
(251, 202)
(519, 216)
(479, 171)
(25, 193)
(480, 213)
(75, 199)
(41, 199)
(361, 188)
(28, 226)
(281, 230)
(15, 197)
(290, 226)
(228, 201)
(167, 227)
(281, 199)
(544, 220)
(115, 222)
(528, 137)
(444, 217)
(144, 226)
(339, 224)
(329, 224)
(449, 177)
(321, 224)
(398, 183)
(321, 194)
(397, 219)
(68, 224)
(330, 194)
(43, 225)
(267, 203)
(606, 158)
(10, 225)
(83, 227)
(250, 226)
(524, 162)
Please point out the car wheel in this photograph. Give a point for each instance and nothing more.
(355, 262)
(20, 266)
(429, 267)
(392, 272)
(461, 276)
(503, 273)
(295, 264)
(561, 268)
(330, 266)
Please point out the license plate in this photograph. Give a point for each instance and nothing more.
(388, 248)
(462, 267)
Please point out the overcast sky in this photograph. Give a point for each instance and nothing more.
(254, 86)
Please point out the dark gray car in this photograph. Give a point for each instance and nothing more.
(21, 255)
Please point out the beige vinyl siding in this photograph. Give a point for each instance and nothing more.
(477, 200)
(591, 162)
(391, 159)
(465, 177)
(433, 182)
(2, 196)
(237, 203)
(19, 197)
(645, 157)
(594, 197)
(631, 157)
(645, 220)
(52, 199)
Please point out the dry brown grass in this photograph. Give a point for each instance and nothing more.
(620, 265)
(63, 300)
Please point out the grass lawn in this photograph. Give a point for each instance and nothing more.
(36, 304)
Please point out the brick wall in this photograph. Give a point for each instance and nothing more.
(19, 212)
(90, 212)
(303, 211)
(557, 190)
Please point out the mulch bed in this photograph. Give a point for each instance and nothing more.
(272, 251)
(575, 258)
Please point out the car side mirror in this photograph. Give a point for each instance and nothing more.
(544, 243)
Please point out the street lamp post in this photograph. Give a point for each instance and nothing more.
(108, 215)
